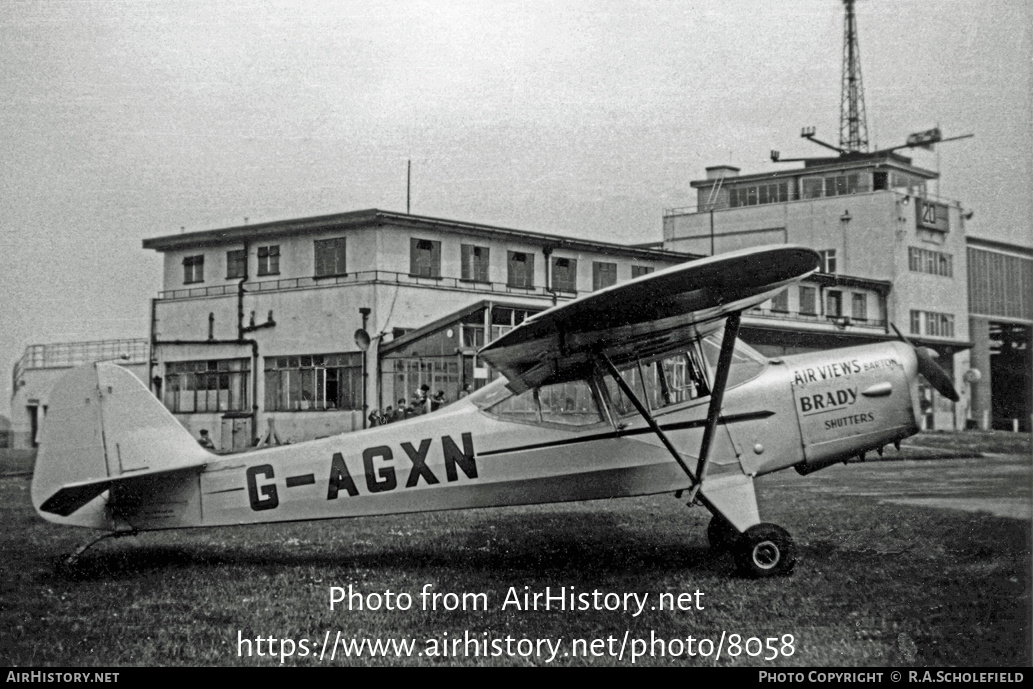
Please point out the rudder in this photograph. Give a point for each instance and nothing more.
(102, 424)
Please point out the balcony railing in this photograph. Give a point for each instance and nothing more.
(841, 322)
(364, 277)
(71, 354)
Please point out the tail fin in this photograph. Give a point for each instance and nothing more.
(103, 425)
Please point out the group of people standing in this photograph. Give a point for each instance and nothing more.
(422, 402)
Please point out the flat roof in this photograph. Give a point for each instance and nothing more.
(995, 244)
(819, 166)
(374, 217)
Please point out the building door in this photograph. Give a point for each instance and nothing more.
(33, 424)
(235, 434)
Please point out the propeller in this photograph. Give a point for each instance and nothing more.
(932, 371)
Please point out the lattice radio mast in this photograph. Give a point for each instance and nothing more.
(853, 124)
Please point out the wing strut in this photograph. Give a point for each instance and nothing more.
(724, 363)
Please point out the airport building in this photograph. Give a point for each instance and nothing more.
(300, 329)
(892, 254)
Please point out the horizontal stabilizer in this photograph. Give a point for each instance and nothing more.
(72, 497)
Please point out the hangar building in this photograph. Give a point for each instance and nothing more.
(1000, 287)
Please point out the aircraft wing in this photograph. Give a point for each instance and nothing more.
(646, 317)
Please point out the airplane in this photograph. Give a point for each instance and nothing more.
(640, 388)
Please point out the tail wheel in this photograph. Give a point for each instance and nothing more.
(765, 550)
(721, 534)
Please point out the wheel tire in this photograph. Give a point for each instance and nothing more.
(765, 550)
(721, 534)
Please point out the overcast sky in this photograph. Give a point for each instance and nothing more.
(124, 119)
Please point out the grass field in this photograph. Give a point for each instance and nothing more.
(875, 585)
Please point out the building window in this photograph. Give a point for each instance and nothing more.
(899, 180)
(834, 303)
(835, 185)
(217, 385)
(859, 311)
(193, 269)
(775, 192)
(603, 275)
(520, 269)
(916, 322)
(236, 264)
(564, 274)
(828, 261)
(424, 258)
(812, 188)
(269, 260)
(320, 382)
(471, 328)
(475, 263)
(929, 261)
(780, 302)
(330, 257)
(936, 324)
(504, 319)
(438, 373)
(639, 271)
(939, 324)
(808, 301)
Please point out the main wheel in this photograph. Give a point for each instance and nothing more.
(721, 534)
(765, 550)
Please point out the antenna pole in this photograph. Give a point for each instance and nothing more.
(408, 185)
(853, 125)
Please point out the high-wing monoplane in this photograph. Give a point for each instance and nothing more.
(637, 389)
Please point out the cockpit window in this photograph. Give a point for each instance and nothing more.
(621, 404)
(569, 404)
(565, 404)
(683, 377)
(522, 407)
(660, 383)
(673, 379)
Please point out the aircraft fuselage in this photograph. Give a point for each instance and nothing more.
(806, 411)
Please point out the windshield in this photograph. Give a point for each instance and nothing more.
(491, 393)
(747, 363)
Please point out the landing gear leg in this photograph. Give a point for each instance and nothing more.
(764, 550)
